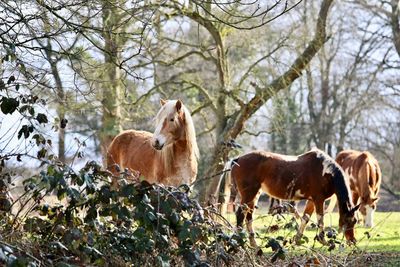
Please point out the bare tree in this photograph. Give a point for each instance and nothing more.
(230, 121)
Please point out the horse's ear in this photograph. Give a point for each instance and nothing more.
(178, 105)
(162, 102)
(353, 210)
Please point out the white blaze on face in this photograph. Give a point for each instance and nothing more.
(158, 136)
(168, 108)
(369, 216)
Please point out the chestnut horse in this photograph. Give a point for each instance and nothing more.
(313, 176)
(365, 179)
(169, 156)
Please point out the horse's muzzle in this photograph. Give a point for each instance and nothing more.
(157, 145)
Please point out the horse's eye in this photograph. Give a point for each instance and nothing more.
(172, 119)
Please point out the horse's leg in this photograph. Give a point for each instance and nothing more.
(250, 200)
(308, 211)
(293, 209)
(271, 204)
(239, 216)
(319, 208)
(249, 220)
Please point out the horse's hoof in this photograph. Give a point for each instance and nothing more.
(321, 238)
(253, 243)
(296, 240)
(352, 242)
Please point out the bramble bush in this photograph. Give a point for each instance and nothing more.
(140, 224)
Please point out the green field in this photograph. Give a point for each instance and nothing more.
(377, 246)
(384, 236)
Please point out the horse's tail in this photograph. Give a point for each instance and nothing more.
(230, 190)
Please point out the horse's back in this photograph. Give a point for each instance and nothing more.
(342, 155)
(259, 163)
(369, 170)
(251, 164)
(129, 140)
(362, 167)
(130, 149)
(347, 159)
(248, 168)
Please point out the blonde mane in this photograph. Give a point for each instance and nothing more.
(167, 153)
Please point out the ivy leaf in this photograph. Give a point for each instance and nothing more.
(28, 108)
(274, 244)
(41, 153)
(2, 85)
(91, 214)
(280, 254)
(11, 79)
(8, 105)
(61, 194)
(63, 123)
(127, 190)
(41, 118)
(39, 139)
(163, 261)
(25, 130)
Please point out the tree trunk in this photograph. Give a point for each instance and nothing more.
(60, 99)
(395, 24)
(112, 86)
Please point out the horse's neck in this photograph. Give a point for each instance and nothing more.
(184, 154)
(183, 151)
(344, 205)
(342, 192)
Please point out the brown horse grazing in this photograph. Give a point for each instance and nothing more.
(169, 156)
(365, 179)
(313, 176)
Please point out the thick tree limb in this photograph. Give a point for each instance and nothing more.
(290, 75)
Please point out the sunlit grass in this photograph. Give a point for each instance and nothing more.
(383, 237)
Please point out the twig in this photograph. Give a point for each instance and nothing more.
(210, 176)
(21, 250)
(386, 187)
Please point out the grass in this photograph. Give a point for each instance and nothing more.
(377, 246)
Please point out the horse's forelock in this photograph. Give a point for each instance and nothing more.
(166, 109)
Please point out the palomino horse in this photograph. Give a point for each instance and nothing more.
(365, 179)
(313, 176)
(169, 156)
